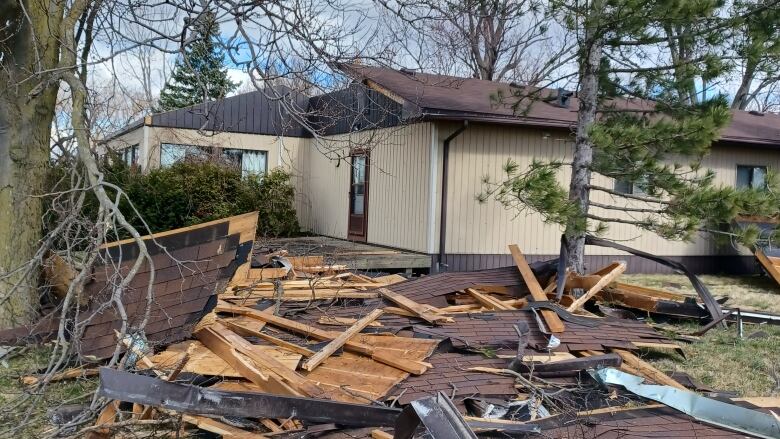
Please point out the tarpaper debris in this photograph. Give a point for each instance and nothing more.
(294, 345)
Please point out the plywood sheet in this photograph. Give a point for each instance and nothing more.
(204, 362)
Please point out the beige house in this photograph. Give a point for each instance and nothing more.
(400, 157)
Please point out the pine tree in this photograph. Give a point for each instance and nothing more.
(640, 122)
(199, 75)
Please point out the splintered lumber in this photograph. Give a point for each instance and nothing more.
(771, 264)
(339, 341)
(379, 434)
(234, 349)
(343, 321)
(487, 301)
(244, 330)
(426, 313)
(222, 429)
(646, 369)
(205, 362)
(413, 367)
(615, 270)
(67, 374)
(554, 323)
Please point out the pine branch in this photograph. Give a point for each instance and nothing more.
(644, 224)
(630, 196)
(625, 208)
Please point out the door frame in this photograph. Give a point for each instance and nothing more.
(359, 152)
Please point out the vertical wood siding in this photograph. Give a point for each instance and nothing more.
(398, 199)
(398, 185)
(487, 228)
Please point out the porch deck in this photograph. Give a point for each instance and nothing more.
(356, 255)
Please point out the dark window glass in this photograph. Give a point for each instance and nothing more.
(749, 176)
(249, 161)
(623, 186)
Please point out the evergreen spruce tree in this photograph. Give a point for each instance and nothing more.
(640, 122)
(199, 75)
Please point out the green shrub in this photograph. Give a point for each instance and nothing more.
(193, 192)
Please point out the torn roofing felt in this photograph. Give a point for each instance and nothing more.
(191, 265)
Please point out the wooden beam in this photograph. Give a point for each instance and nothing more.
(343, 321)
(339, 341)
(769, 265)
(554, 323)
(272, 365)
(249, 332)
(486, 300)
(413, 367)
(223, 348)
(617, 269)
(421, 311)
(646, 369)
(222, 429)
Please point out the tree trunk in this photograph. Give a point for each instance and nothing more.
(579, 187)
(24, 157)
(741, 98)
(27, 106)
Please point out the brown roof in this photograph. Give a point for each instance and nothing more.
(449, 97)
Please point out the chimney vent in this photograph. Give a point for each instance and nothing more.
(562, 98)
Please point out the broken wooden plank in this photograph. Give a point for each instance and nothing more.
(413, 367)
(426, 313)
(339, 341)
(205, 362)
(343, 321)
(67, 374)
(240, 362)
(554, 323)
(486, 300)
(220, 428)
(646, 369)
(276, 370)
(770, 264)
(241, 329)
(615, 270)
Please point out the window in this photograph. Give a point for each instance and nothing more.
(627, 187)
(749, 176)
(171, 153)
(250, 161)
(130, 155)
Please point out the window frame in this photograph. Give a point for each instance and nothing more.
(752, 176)
(205, 151)
(244, 173)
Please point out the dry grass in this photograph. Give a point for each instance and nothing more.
(745, 292)
(721, 359)
(24, 410)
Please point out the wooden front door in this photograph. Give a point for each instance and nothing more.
(358, 198)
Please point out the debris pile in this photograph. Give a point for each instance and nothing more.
(294, 347)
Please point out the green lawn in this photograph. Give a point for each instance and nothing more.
(720, 359)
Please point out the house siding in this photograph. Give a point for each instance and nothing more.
(398, 191)
(476, 228)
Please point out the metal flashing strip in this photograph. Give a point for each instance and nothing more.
(129, 387)
(711, 411)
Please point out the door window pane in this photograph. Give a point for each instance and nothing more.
(358, 185)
